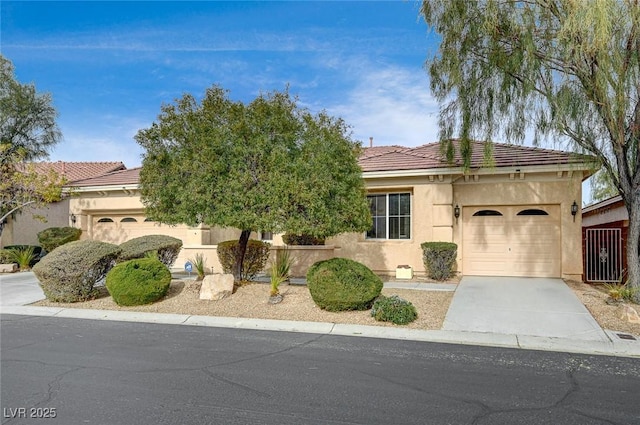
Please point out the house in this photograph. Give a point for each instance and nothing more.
(23, 228)
(517, 217)
(605, 226)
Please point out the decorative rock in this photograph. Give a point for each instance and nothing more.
(8, 268)
(216, 287)
(275, 299)
(629, 314)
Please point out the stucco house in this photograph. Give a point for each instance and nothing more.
(518, 217)
(23, 228)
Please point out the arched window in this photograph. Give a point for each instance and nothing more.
(105, 220)
(533, 212)
(128, 220)
(149, 220)
(485, 213)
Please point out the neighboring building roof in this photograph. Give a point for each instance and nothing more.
(604, 203)
(74, 171)
(396, 158)
(116, 178)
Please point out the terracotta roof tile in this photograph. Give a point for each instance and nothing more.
(120, 177)
(74, 171)
(428, 157)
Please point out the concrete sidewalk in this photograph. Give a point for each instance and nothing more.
(16, 289)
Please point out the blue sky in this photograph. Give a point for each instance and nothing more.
(110, 65)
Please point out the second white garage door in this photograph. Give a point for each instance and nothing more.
(512, 241)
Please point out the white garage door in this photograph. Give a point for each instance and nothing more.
(512, 241)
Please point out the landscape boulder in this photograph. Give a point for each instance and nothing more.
(216, 286)
(628, 314)
(8, 268)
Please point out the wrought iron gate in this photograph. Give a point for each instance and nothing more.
(603, 255)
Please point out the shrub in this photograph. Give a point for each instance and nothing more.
(69, 272)
(620, 292)
(139, 281)
(342, 284)
(280, 269)
(291, 239)
(54, 237)
(200, 264)
(255, 259)
(439, 259)
(393, 309)
(23, 256)
(166, 248)
(20, 253)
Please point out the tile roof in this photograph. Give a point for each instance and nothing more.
(397, 158)
(74, 171)
(120, 177)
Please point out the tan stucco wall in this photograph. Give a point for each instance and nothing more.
(23, 229)
(543, 189)
(431, 220)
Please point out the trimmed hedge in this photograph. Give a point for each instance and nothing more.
(393, 309)
(341, 284)
(439, 259)
(54, 237)
(291, 239)
(139, 281)
(69, 272)
(166, 247)
(255, 258)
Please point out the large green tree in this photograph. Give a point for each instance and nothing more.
(266, 165)
(28, 130)
(564, 69)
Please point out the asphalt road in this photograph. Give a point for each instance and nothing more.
(101, 372)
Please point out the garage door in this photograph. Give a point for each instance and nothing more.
(512, 241)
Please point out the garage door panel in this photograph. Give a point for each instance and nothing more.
(511, 244)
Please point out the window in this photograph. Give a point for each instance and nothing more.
(105, 220)
(391, 215)
(266, 236)
(533, 212)
(485, 213)
(128, 220)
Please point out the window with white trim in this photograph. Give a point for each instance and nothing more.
(391, 213)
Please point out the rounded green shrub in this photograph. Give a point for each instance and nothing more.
(255, 258)
(341, 284)
(70, 272)
(54, 237)
(393, 309)
(439, 259)
(139, 281)
(292, 239)
(166, 248)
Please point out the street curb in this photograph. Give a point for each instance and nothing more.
(614, 347)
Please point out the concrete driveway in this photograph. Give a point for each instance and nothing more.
(19, 289)
(521, 306)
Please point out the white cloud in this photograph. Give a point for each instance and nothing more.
(391, 104)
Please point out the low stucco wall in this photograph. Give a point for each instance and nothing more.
(303, 257)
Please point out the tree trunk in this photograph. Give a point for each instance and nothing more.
(633, 245)
(242, 249)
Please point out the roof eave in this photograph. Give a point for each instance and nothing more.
(548, 168)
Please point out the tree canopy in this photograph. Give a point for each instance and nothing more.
(267, 165)
(28, 130)
(562, 69)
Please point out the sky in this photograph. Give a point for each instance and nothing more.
(109, 66)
